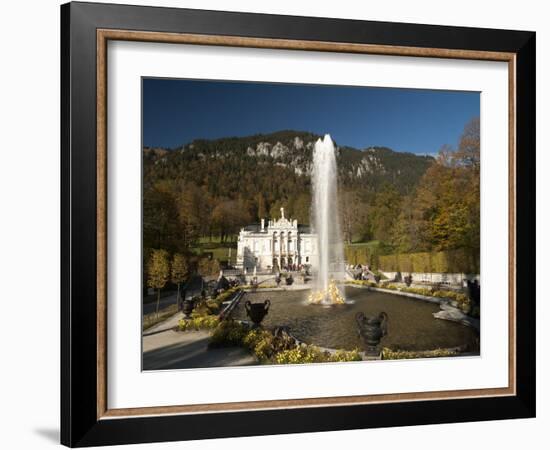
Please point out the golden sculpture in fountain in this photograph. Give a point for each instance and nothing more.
(329, 296)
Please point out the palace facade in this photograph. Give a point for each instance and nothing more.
(280, 244)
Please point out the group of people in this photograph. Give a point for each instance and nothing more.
(289, 279)
(292, 268)
(363, 272)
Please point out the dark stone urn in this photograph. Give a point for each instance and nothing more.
(187, 307)
(372, 330)
(257, 311)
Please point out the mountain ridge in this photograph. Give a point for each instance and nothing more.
(281, 134)
(292, 149)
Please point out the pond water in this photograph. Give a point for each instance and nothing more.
(411, 325)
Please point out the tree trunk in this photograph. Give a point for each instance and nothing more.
(178, 297)
(158, 302)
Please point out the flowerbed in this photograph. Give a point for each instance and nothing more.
(208, 322)
(312, 354)
(260, 286)
(205, 314)
(274, 349)
(404, 354)
(462, 300)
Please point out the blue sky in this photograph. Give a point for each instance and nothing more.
(420, 121)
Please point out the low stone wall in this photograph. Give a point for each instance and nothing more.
(231, 304)
(282, 288)
(425, 298)
(456, 279)
(261, 278)
(455, 315)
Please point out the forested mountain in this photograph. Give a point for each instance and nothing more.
(240, 179)
(278, 165)
(212, 188)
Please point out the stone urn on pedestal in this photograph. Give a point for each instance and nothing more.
(372, 330)
(187, 307)
(257, 311)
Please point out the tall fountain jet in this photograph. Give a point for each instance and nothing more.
(326, 216)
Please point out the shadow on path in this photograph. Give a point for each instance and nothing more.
(193, 352)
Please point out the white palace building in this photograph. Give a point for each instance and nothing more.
(282, 243)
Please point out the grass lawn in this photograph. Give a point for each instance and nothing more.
(371, 247)
(218, 249)
(216, 241)
(370, 244)
(152, 319)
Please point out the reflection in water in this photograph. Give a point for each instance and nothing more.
(411, 324)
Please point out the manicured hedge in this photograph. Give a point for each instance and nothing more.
(362, 254)
(452, 261)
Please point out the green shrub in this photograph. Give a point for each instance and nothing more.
(201, 310)
(367, 253)
(305, 354)
(419, 291)
(260, 342)
(300, 355)
(345, 356)
(213, 306)
(263, 347)
(225, 295)
(280, 348)
(467, 307)
(198, 323)
(228, 333)
(450, 261)
(360, 283)
(463, 301)
(251, 338)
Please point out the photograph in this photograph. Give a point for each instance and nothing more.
(305, 223)
(281, 223)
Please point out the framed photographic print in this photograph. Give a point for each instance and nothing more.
(276, 224)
